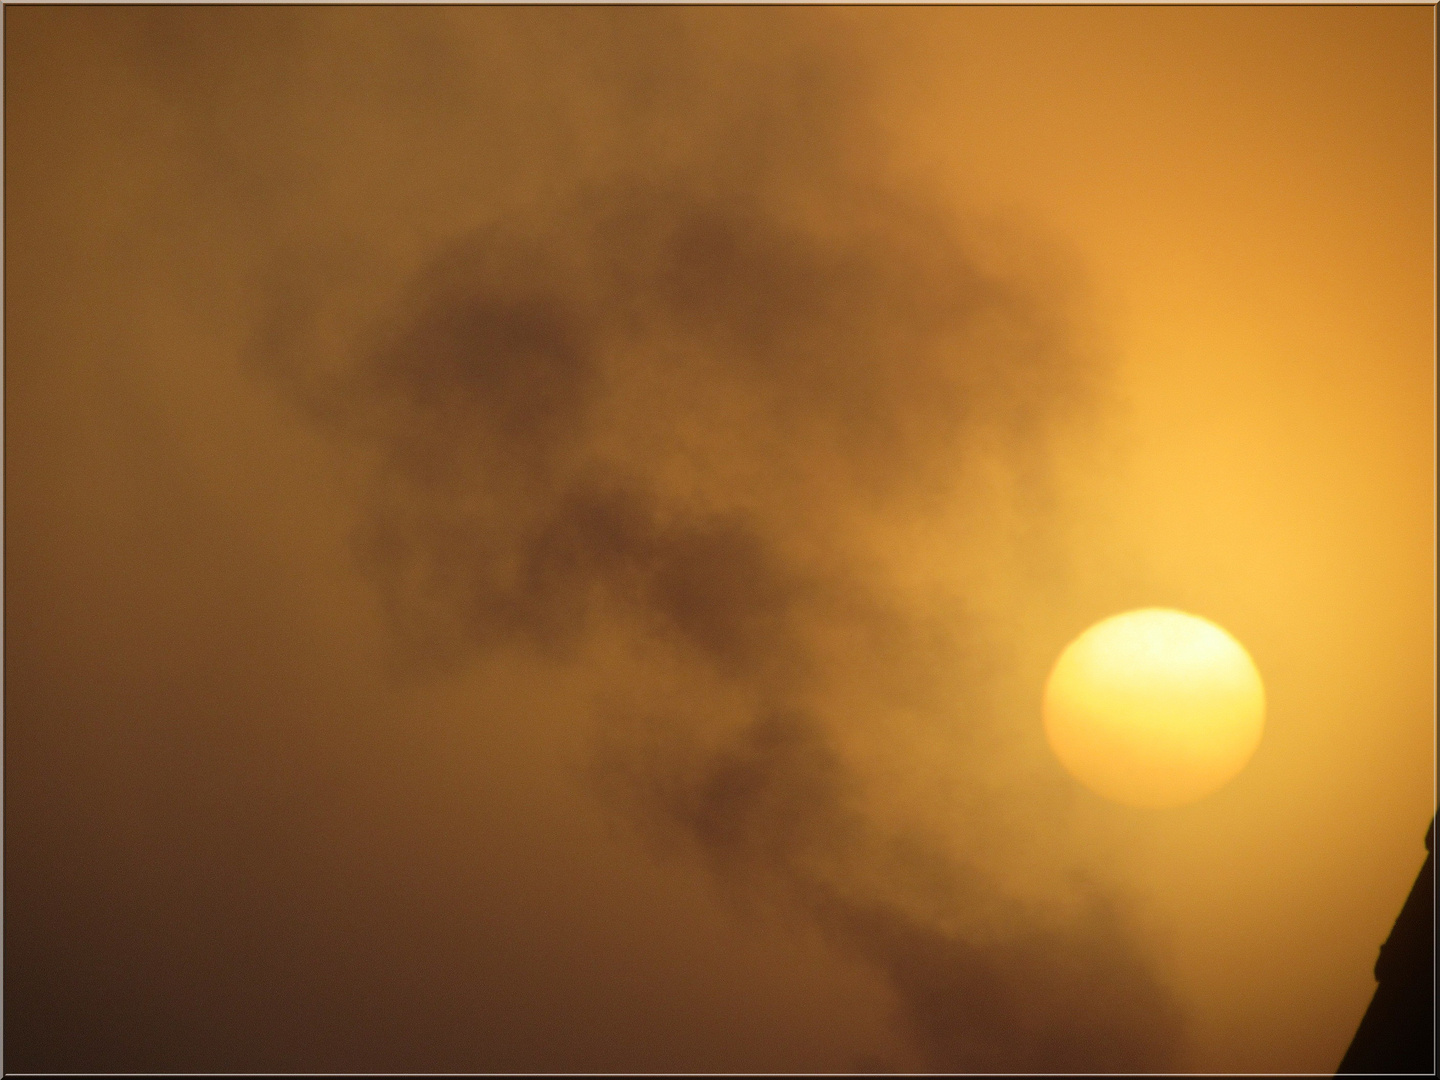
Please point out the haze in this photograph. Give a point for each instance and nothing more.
(534, 536)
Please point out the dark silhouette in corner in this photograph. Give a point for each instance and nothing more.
(1397, 1034)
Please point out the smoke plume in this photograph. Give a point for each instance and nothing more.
(669, 398)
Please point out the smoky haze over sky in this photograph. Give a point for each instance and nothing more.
(471, 476)
(662, 428)
(657, 409)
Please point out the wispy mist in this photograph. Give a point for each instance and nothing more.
(640, 345)
(657, 409)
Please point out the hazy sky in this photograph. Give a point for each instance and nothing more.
(534, 536)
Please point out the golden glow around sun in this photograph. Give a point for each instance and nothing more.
(1154, 708)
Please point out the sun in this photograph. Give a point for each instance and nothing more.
(1154, 708)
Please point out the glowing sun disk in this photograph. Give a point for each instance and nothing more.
(1154, 708)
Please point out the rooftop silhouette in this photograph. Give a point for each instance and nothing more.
(1397, 1033)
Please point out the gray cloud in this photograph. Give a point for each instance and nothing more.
(778, 801)
(652, 403)
(506, 405)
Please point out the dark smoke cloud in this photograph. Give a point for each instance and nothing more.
(866, 356)
(779, 801)
(654, 406)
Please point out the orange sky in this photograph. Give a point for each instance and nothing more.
(533, 538)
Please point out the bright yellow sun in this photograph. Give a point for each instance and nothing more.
(1154, 708)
